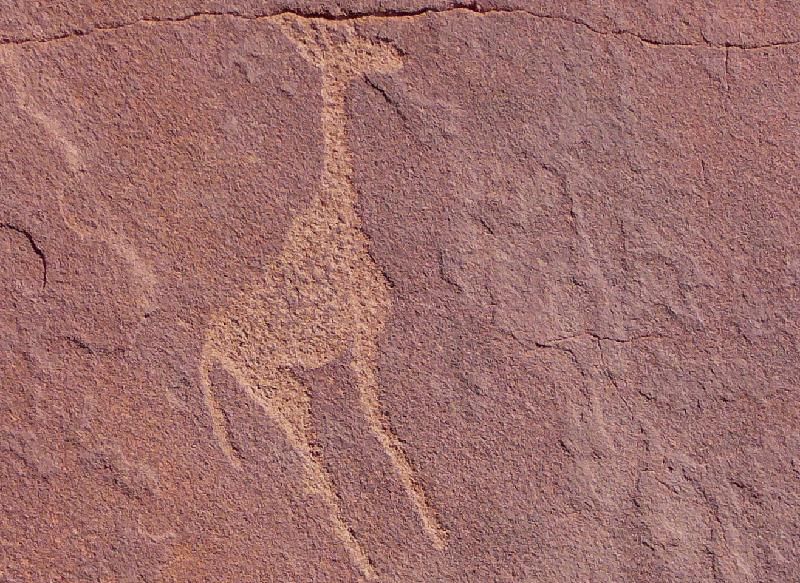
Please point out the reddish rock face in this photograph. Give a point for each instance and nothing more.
(399, 292)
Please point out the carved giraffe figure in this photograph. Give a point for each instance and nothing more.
(321, 297)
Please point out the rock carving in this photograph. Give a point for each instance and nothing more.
(321, 297)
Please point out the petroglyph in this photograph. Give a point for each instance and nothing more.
(141, 271)
(322, 296)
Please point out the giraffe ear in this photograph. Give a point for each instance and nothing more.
(391, 57)
(308, 37)
(368, 51)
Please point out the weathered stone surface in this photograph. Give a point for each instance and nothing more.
(355, 291)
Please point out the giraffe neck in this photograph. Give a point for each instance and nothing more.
(338, 191)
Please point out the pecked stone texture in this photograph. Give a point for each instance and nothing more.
(516, 301)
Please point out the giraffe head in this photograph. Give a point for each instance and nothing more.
(339, 48)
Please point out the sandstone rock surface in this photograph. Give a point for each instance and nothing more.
(399, 291)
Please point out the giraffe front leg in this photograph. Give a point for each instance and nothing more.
(364, 367)
(287, 402)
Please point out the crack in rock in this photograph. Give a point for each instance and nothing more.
(555, 342)
(356, 15)
(34, 246)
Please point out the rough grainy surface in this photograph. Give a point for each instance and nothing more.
(399, 291)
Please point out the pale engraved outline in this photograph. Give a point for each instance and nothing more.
(260, 336)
